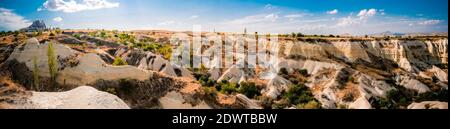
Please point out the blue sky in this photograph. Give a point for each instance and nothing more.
(266, 16)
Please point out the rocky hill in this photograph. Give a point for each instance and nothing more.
(99, 71)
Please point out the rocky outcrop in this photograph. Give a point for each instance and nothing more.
(33, 50)
(233, 75)
(153, 62)
(334, 87)
(429, 105)
(408, 54)
(83, 97)
(276, 86)
(99, 41)
(137, 87)
(411, 83)
(37, 25)
(92, 68)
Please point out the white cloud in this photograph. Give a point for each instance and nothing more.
(363, 14)
(11, 21)
(269, 7)
(57, 19)
(165, 23)
(348, 21)
(256, 19)
(293, 15)
(71, 6)
(429, 22)
(382, 12)
(194, 17)
(332, 12)
(361, 18)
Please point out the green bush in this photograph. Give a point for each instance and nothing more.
(228, 88)
(297, 94)
(210, 91)
(205, 81)
(266, 102)
(304, 72)
(36, 80)
(52, 63)
(111, 90)
(119, 61)
(283, 71)
(313, 104)
(249, 89)
(78, 36)
(441, 95)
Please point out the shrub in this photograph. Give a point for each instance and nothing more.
(266, 102)
(304, 72)
(383, 103)
(348, 97)
(283, 71)
(165, 50)
(52, 63)
(205, 81)
(313, 104)
(249, 89)
(228, 88)
(111, 90)
(297, 94)
(210, 91)
(441, 95)
(78, 36)
(280, 104)
(36, 74)
(119, 61)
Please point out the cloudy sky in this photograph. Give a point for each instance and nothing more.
(311, 17)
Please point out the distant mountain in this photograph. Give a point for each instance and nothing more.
(37, 25)
(428, 34)
(386, 33)
(389, 33)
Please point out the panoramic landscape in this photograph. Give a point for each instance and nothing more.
(224, 54)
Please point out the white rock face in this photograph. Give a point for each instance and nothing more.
(275, 86)
(325, 86)
(360, 103)
(92, 68)
(232, 75)
(429, 105)
(33, 50)
(250, 104)
(157, 63)
(439, 73)
(346, 50)
(83, 97)
(420, 53)
(411, 83)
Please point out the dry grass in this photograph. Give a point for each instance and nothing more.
(350, 89)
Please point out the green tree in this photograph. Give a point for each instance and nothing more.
(36, 80)
(52, 63)
(119, 61)
(249, 89)
(313, 104)
(297, 94)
